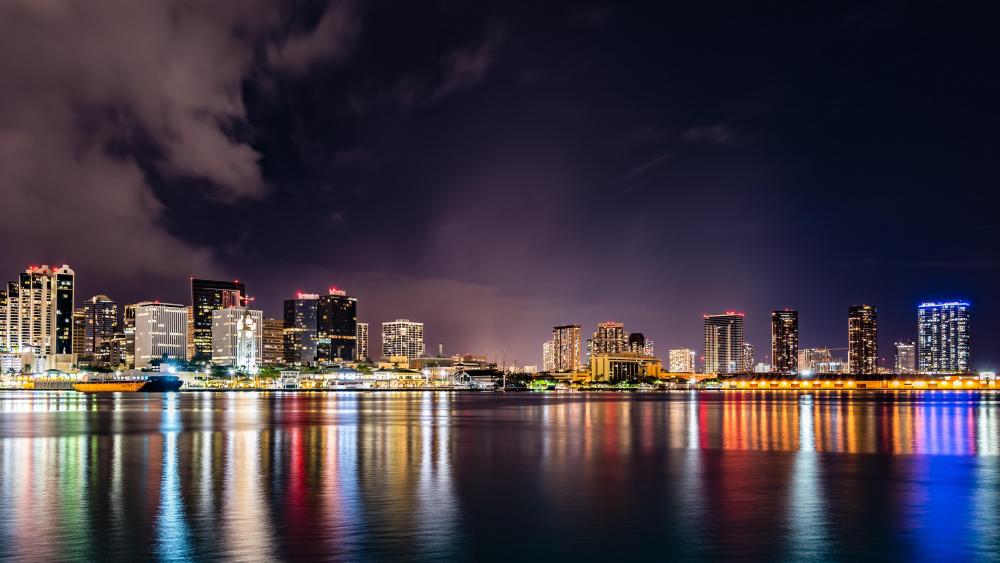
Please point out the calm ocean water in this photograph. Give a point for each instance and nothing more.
(442, 476)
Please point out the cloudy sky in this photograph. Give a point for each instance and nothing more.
(493, 169)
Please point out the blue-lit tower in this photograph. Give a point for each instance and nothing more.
(943, 337)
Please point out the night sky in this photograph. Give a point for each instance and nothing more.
(493, 169)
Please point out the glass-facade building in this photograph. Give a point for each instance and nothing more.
(943, 337)
(300, 329)
(336, 327)
(208, 296)
(724, 343)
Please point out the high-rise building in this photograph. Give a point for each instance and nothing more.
(785, 341)
(724, 343)
(403, 337)
(79, 330)
(906, 357)
(682, 360)
(128, 330)
(610, 338)
(118, 355)
(208, 296)
(548, 356)
(237, 338)
(362, 334)
(862, 340)
(943, 337)
(300, 329)
(39, 311)
(160, 332)
(272, 340)
(566, 343)
(747, 358)
(336, 327)
(100, 323)
(814, 360)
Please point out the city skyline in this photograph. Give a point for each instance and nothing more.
(610, 336)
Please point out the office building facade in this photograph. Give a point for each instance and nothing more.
(272, 341)
(160, 332)
(300, 329)
(237, 338)
(100, 323)
(336, 327)
(208, 296)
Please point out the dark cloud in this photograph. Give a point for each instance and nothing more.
(172, 71)
(334, 35)
(466, 67)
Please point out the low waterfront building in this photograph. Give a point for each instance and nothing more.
(478, 378)
(625, 366)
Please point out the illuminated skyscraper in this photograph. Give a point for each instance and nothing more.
(943, 337)
(79, 329)
(785, 341)
(682, 360)
(272, 342)
(300, 329)
(208, 296)
(160, 332)
(100, 323)
(362, 334)
(128, 330)
(403, 337)
(39, 311)
(237, 338)
(610, 338)
(862, 340)
(724, 343)
(566, 344)
(336, 327)
(906, 357)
